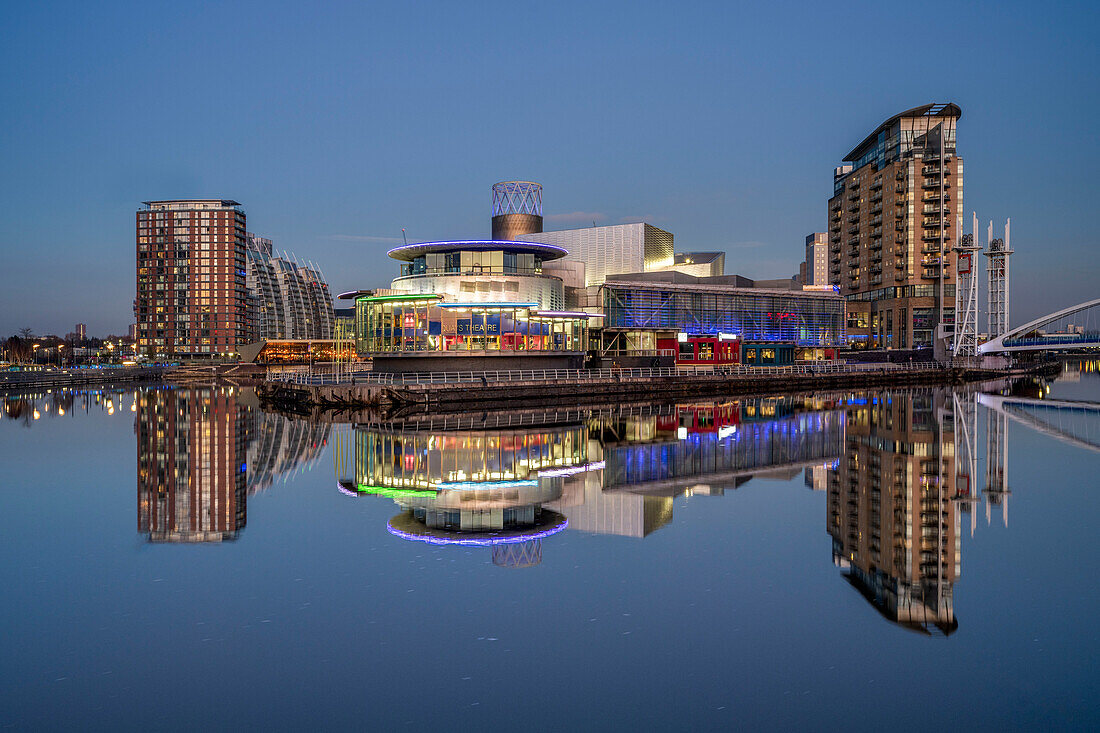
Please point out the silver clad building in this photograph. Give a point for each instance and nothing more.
(287, 300)
(612, 250)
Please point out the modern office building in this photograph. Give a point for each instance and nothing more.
(893, 221)
(479, 271)
(891, 511)
(288, 300)
(612, 250)
(815, 268)
(192, 299)
(81, 332)
(729, 319)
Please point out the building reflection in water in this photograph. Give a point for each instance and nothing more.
(473, 488)
(201, 451)
(612, 472)
(891, 511)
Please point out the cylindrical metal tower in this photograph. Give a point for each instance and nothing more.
(517, 209)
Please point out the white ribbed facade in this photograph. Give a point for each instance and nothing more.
(612, 250)
(288, 300)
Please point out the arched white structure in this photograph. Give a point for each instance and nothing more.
(1009, 341)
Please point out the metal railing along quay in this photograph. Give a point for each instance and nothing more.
(76, 376)
(306, 377)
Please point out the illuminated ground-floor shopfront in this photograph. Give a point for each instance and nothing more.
(420, 325)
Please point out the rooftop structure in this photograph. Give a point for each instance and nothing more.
(700, 264)
(613, 250)
(517, 209)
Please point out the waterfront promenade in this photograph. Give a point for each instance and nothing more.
(57, 378)
(306, 391)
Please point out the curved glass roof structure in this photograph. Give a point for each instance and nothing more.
(409, 252)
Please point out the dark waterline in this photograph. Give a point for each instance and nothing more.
(180, 559)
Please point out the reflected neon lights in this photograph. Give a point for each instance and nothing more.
(395, 493)
(477, 541)
(484, 485)
(550, 473)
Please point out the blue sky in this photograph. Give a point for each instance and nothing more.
(337, 124)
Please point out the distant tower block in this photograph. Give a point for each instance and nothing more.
(517, 209)
(998, 253)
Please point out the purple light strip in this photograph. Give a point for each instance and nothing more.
(550, 473)
(484, 485)
(479, 242)
(569, 314)
(488, 306)
(477, 541)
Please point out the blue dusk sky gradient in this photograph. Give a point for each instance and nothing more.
(337, 124)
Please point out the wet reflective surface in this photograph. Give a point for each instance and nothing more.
(178, 558)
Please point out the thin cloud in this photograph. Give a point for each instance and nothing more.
(576, 216)
(362, 238)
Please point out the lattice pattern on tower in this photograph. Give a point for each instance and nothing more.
(518, 555)
(517, 197)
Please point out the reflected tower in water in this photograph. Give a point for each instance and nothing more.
(200, 453)
(191, 447)
(890, 508)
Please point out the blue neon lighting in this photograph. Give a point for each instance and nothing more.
(477, 541)
(484, 485)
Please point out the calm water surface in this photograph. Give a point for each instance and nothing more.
(177, 558)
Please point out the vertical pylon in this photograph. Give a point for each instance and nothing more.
(998, 272)
(996, 463)
(966, 294)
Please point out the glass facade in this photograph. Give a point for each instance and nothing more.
(473, 263)
(803, 318)
(398, 323)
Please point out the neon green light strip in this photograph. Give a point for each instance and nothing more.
(395, 493)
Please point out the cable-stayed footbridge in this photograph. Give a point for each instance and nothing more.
(1076, 327)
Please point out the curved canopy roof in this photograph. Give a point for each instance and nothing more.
(408, 528)
(409, 252)
(932, 110)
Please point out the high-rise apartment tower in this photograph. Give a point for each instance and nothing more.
(894, 218)
(191, 294)
(817, 259)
